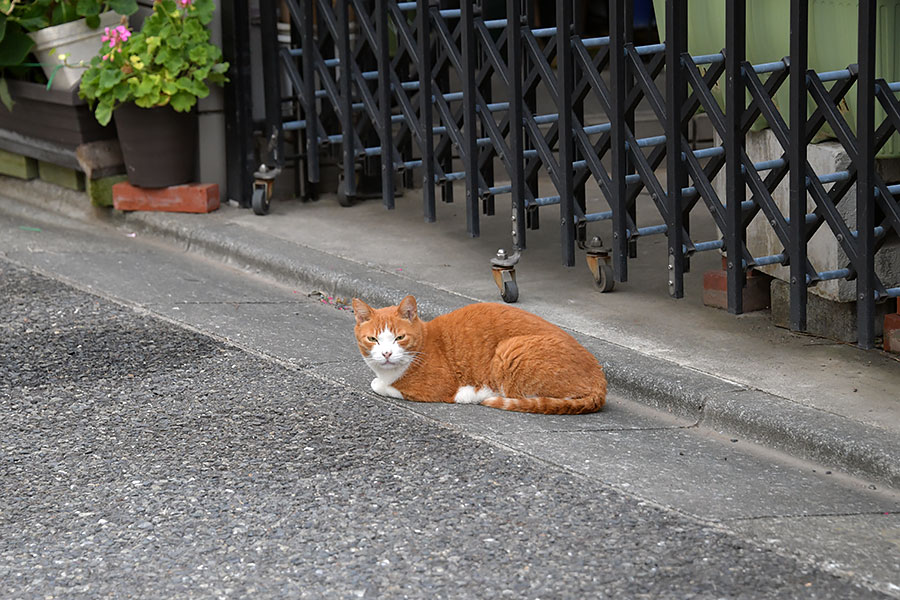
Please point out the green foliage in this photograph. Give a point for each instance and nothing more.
(170, 61)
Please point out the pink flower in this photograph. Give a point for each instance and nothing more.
(185, 3)
(115, 36)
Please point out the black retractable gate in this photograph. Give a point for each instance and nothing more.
(444, 90)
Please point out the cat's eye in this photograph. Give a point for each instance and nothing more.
(400, 337)
(372, 339)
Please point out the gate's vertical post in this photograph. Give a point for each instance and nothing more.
(676, 96)
(516, 131)
(470, 152)
(797, 155)
(865, 185)
(345, 55)
(271, 70)
(618, 200)
(735, 186)
(565, 82)
(238, 102)
(444, 152)
(308, 42)
(384, 103)
(629, 120)
(426, 117)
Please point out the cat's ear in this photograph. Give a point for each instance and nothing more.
(408, 309)
(362, 311)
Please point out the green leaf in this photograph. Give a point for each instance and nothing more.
(5, 97)
(87, 8)
(182, 101)
(176, 42)
(124, 7)
(175, 64)
(92, 21)
(199, 54)
(14, 47)
(2, 26)
(109, 78)
(103, 113)
(153, 43)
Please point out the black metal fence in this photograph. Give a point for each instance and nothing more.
(454, 94)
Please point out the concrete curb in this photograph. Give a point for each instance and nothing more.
(756, 416)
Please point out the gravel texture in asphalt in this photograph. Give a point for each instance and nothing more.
(139, 459)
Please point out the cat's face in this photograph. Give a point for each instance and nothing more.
(388, 338)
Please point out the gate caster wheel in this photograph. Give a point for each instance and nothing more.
(605, 282)
(342, 197)
(503, 267)
(598, 262)
(510, 292)
(260, 200)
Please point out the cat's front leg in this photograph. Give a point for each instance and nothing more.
(384, 389)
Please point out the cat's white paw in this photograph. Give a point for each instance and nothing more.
(467, 394)
(383, 389)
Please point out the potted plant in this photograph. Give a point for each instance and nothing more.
(49, 124)
(60, 33)
(150, 82)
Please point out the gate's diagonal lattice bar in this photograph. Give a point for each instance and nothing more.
(505, 107)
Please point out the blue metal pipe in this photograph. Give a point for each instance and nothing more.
(595, 42)
(592, 217)
(650, 49)
(642, 231)
(545, 32)
(832, 177)
(707, 59)
(770, 67)
(835, 75)
(595, 129)
(769, 260)
(836, 274)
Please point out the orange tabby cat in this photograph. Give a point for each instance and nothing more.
(489, 354)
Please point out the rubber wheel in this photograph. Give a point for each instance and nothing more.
(342, 197)
(510, 292)
(606, 283)
(260, 201)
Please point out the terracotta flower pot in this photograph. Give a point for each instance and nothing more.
(159, 145)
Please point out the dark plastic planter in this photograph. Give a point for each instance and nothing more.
(159, 145)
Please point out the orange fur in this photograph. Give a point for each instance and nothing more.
(530, 364)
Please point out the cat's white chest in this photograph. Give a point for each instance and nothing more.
(384, 378)
(380, 387)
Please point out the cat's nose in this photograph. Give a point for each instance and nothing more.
(386, 354)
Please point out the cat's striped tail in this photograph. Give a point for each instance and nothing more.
(551, 406)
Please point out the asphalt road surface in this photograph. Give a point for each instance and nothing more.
(143, 459)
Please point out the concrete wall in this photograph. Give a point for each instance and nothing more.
(211, 141)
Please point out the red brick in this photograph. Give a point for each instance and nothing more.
(191, 198)
(892, 332)
(756, 291)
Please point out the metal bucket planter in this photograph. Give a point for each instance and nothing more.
(75, 40)
(159, 145)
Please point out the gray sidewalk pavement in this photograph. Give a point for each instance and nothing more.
(811, 398)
